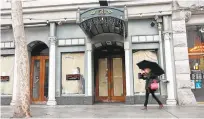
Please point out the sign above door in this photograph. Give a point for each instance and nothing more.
(100, 20)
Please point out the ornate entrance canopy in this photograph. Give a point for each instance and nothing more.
(100, 20)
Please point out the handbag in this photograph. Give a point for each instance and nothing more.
(154, 85)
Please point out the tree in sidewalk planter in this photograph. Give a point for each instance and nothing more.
(22, 103)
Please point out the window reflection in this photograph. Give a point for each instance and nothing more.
(196, 60)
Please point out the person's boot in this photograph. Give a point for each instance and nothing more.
(144, 108)
(161, 106)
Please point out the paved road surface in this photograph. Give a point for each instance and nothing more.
(109, 111)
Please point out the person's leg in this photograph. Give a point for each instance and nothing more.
(155, 97)
(146, 98)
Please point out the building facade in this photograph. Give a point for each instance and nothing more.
(86, 53)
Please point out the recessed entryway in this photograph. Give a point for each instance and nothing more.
(39, 68)
(109, 74)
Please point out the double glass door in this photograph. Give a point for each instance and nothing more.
(110, 80)
(39, 78)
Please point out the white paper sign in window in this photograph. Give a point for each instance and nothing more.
(70, 63)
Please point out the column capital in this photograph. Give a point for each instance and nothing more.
(158, 19)
(126, 45)
(52, 39)
(167, 36)
(88, 47)
(159, 27)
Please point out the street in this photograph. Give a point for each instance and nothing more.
(109, 111)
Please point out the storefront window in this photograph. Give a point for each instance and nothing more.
(139, 84)
(196, 61)
(73, 73)
(7, 66)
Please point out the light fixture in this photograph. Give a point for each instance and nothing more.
(202, 29)
(201, 8)
(119, 44)
(98, 45)
(140, 14)
(108, 42)
(152, 24)
(65, 19)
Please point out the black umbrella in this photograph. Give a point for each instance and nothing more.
(156, 69)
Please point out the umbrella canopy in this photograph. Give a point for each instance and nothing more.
(156, 69)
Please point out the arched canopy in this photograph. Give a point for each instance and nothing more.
(100, 20)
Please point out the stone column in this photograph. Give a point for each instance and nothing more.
(161, 46)
(14, 82)
(128, 73)
(89, 81)
(51, 89)
(184, 93)
(161, 57)
(171, 100)
(89, 70)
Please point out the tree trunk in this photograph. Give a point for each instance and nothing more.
(22, 103)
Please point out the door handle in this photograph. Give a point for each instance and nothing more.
(36, 81)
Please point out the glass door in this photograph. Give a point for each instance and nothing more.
(36, 80)
(102, 82)
(117, 80)
(39, 78)
(110, 81)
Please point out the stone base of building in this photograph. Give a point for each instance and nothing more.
(75, 100)
(51, 102)
(139, 99)
(89, 100)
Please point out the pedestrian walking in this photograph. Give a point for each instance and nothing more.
(150, 72)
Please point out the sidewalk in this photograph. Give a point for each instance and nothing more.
(109, 111)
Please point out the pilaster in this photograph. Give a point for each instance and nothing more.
(184, 93)
(89, 60)
(128, 68)
(171, 99)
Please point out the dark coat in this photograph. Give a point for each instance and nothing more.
(149, 79)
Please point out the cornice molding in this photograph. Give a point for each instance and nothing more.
(82, 6)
